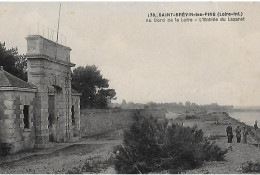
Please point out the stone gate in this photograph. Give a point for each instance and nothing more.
(45, 109)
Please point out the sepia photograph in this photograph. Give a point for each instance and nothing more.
(109, 87)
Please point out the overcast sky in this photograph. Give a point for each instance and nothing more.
(160, 62)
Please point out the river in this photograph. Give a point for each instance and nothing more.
(248, 117)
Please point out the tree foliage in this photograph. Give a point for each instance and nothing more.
(94, 88)
(12, 62)
(150, 146)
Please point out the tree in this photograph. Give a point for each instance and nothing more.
(94, 88)
(187, 103)
(152, 105)
(180, 103)
(152, 145)
(124, 104)
(12, 62)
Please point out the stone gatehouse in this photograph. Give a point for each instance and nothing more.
(45, 109)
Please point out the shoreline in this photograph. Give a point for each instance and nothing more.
(214, 125)
(225, 116)
(255, 134)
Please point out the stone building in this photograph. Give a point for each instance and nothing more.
(45, 109)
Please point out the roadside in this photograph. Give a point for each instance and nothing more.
(93, 153)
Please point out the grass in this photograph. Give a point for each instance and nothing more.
(215, 137)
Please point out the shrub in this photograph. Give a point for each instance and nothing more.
(182, 149)
(140, 152)
(251, 166)
(191, 117)
(212, 152)
(215, 137)
(150, 146)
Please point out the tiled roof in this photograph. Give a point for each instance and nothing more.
(9, 80)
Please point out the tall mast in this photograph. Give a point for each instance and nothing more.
(58, 32)
(58, 25)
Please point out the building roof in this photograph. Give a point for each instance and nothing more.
(9, 80)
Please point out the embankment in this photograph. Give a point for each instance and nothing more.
(214, 127)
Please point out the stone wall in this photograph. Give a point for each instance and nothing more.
(13, 130)
(99, 121)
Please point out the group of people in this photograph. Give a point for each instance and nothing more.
(239, 134)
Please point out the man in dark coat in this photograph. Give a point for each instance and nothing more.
(229, 133)
(238, 134)
(255, 125)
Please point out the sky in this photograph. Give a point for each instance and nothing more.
(201, 62)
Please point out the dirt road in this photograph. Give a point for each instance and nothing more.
(91, 155)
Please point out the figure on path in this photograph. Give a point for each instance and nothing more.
(255, 125)
(245, 133)
(238, 134)
(229, 133)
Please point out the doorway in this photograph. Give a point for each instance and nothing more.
(51, 118)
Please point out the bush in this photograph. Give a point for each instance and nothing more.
(181, 149)
(140, 152)
(212, 152)
(191, 117)
(215, 137)
(150, 146)
(251, 166)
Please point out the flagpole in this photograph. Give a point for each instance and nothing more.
(58, 25)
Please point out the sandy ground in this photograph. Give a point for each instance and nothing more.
(63, 157)
(95, 153)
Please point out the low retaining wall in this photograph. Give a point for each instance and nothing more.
(93, 122)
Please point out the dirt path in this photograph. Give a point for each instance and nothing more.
(215, 125)
(90, 155)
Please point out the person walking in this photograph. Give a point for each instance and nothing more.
(238, 134)
(255, 125)
(245, 133)
(229, 133)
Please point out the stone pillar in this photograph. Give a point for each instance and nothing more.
(41, 112)
(49, 65)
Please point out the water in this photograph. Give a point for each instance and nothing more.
(248, 117)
